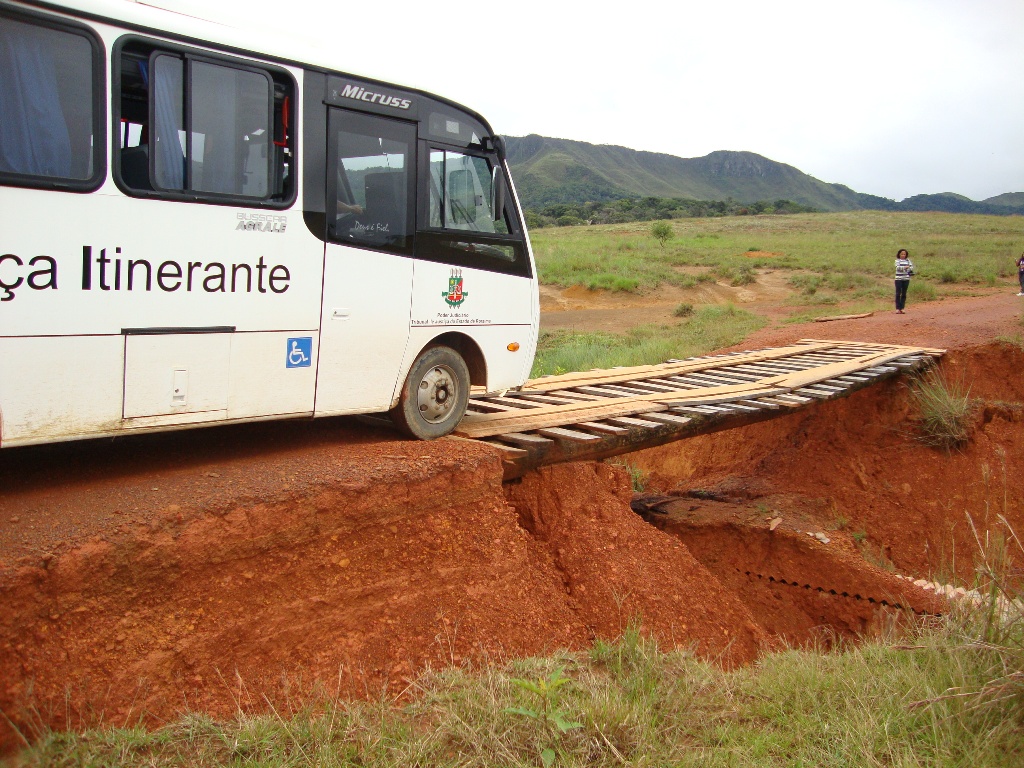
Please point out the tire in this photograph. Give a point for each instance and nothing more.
(434, 396)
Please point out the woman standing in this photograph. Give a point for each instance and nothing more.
(904, 269)
(1020, 273)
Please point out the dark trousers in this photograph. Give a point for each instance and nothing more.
(1020, 276)
(901, 293)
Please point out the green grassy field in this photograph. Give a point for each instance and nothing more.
(835, 263)
(843, 252)
(947, 694)
(709, 327)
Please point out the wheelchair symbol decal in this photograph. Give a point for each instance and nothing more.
(300, 352)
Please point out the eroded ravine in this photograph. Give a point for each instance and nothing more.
(211, 586)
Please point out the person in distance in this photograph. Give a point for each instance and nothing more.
(904, 269)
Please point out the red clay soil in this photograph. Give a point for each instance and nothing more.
(800, 589)
(351, 567)
(224, 568)
(856, 466)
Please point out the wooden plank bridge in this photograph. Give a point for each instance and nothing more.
(602, 413)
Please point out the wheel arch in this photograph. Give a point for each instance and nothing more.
(468, 349)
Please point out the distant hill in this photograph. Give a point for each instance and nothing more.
(549, 171)
(1008, 199)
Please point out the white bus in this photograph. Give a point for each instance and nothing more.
(197, 230)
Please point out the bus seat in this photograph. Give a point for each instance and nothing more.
(135, 167)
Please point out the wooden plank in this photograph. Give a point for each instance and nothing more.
(722, 376)
(737, 406)
(548, 399)
(491, 407)
(759, 404)
(524, 439)
(487, 425)
(786, 366)
(771, 402)
(627, 421)
(686, 382)
(608, 429)
(651, 371)
(828, 388)
(823, 358)
(668, 418)
(765, 370)
(578, 396)
(842, 317)
(721, 395)
(793, 398)
(509, 451)
(561, 433)
(599, 392)
(623, 389)
(862, 344)
(511, 402)
(814, 393)
(652, 386)
(814, 375)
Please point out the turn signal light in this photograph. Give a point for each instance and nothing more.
(513, 347)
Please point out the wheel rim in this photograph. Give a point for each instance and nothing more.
(437, 394)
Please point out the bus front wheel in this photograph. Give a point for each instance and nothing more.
(434, 396)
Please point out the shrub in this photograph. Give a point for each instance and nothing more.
(662, 232)
(683, 310)
(744, 276)
(946, 411)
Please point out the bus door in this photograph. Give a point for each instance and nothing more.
(368, 270)
(473, 271)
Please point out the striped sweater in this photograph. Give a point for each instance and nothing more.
(904, 269)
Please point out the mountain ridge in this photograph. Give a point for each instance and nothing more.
(551, 171)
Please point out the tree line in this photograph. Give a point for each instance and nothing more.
(628, 209)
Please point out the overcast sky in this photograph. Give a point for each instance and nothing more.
(890, 97)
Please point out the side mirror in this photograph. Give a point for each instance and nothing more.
(495, 144)
(497, 193)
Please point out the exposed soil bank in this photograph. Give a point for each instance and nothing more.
(800, 589)
(854, 466)
(353, 585)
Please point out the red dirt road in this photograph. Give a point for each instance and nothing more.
(953, 323)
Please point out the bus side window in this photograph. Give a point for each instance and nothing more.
(208, 130)
(373, 181)
(460, 193)
(48, 128)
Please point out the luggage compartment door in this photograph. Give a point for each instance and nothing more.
(177, 374)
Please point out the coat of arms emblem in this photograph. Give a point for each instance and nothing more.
(454, 296)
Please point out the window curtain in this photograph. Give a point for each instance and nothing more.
(168, 121)
(34, 136)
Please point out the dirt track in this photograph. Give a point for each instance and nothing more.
(146, 575)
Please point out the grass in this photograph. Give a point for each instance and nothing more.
(707, 328)
(946, 411)
(949, 694)
(849, 253)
